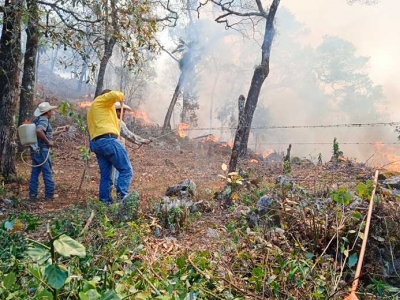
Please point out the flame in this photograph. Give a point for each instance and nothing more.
(386, 156)
(228, 144)
(181, 128)
(253, 160)
(267, 152)
(141, 115)
(211, 138)
(85, 104)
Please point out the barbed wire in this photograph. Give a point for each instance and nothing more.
(374, 124)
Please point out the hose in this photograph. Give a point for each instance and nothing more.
(34, 166)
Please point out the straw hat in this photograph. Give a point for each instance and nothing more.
(42, 108)
(118, 106)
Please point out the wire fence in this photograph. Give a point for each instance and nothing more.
(372, 124)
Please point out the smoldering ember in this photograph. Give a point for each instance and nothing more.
(199, 150)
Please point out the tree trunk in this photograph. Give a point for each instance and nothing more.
(10, 59)
(238, 136)
(212, 99)
(260, 74)
(28, 79)
(167, 120)
(103, 65)
(54, 56)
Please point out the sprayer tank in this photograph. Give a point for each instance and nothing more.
(27, 134)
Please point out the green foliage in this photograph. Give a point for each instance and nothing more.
(335, 148)
(67, 109)
(380, 288)
(364, 190)
(287, 167)
(341, 196)
(85, 153)
(12, 247)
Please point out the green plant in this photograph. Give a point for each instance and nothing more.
(12, 246)
(380, 288)
(287, 167)
(48, 262)
(364, 190)
(335, 148)
(341, 196)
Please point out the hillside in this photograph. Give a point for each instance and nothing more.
(263, 235)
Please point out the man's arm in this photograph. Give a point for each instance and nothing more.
(41, 135)
(109, 99)
(130, 136)
(61, 130)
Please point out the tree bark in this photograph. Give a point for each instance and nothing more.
(238, 135)
(28, 79)
(103, 66)
(260, 74)
(10, 59)
(110, 41)
(167, 120)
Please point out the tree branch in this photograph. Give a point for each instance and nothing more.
(76, 17)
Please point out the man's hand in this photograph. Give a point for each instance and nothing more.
(50, 143)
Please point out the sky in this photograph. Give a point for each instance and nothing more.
(373, 29)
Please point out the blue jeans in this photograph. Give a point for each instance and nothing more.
(110, 152)
(37, 159)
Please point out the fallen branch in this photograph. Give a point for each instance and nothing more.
(88, 222)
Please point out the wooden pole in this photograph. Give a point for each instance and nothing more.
(354, 286)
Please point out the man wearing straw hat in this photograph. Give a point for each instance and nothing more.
(126, 133)
(40, 154)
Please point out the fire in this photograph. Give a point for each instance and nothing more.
(253, 160)
(267, 153)
(142, 115)
(85, 104)
(228, 144)
(386, 156)
(181, 128)
(211, 138)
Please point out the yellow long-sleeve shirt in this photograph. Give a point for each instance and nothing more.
(102, 117)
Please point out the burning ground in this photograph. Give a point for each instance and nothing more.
(256, 234)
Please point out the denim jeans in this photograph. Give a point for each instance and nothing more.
(37, 159)
(110, 152)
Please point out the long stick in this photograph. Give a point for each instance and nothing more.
(365, 237)
(114, 171)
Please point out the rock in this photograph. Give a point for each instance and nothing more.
(392, 182)
(186, 188)
(387, 174)
(8, 202)
(253, 219)
(212, 233)
(285, 183)
(263, 205)
(157, 232)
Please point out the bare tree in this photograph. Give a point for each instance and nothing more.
(234, 14)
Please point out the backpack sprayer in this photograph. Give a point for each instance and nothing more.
(28, 138)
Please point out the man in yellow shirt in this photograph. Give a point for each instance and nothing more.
(104, 131)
